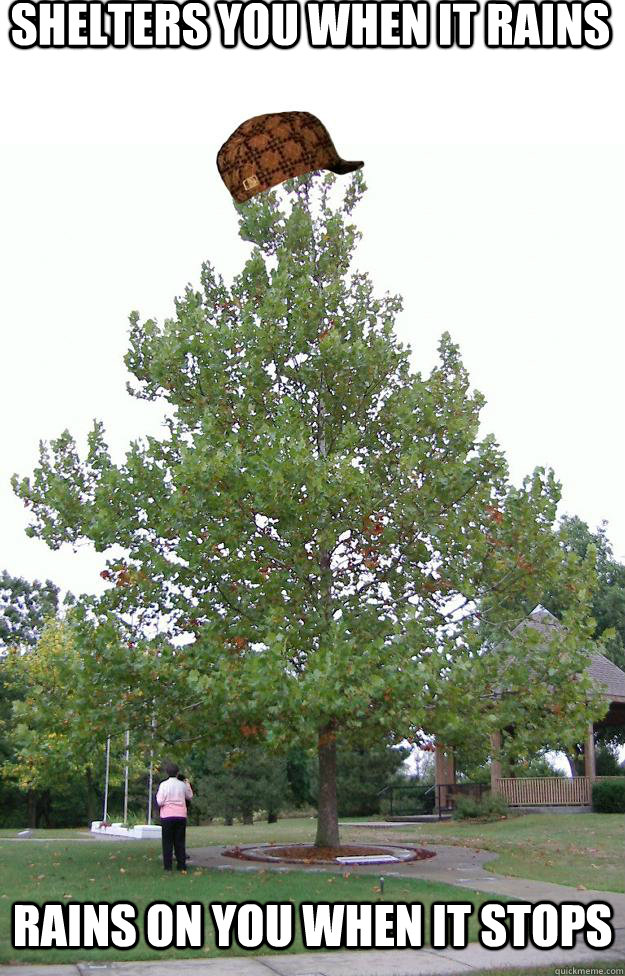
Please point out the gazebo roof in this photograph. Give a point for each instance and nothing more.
(608, 674)
(539, 619)
(604, 671)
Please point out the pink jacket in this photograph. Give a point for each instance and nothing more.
(172, 797)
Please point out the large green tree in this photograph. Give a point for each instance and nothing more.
(608, 602)
(308, 544)
(238, 782)
(24, 609)
(49, 731)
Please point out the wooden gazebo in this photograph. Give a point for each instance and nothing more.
(550, 790)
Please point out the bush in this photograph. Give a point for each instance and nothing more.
(606, 761)
(490, 807)
(608, 796)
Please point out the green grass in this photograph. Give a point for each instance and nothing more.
(40, 832)
(569, 849)
(131, 871)
(288, 831)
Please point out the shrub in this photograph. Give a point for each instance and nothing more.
(608, 796)
(134, 818)
(490, 807)
(606, 761)
(465, 808)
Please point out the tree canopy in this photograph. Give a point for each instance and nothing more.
(24, 609)
(608, 601)
(321, 542)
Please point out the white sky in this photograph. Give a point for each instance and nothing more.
(495, 207)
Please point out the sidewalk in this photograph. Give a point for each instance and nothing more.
(394, 962)
(460, 866)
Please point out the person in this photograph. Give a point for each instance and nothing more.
(171, 798)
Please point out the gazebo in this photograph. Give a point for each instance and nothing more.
(547, 791)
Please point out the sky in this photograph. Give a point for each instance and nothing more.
(495, 207)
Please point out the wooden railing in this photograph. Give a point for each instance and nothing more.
(547, 791)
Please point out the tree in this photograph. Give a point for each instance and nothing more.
(313, 536)
(24, 609)
(608, 604)
(49, 732)
(608, 611)
(531, 686)
(607, 761)
(361, 775)
(298, 771)
(238, 782)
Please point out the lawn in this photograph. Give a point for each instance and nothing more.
(66, 871)
(574, 849)
(570, 849)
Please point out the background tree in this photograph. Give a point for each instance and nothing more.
(298, 771)
(608, 602)
(608, 611)
(312, 538)
(49, 734)
(24, 609)
(238, 782)
(361, 775)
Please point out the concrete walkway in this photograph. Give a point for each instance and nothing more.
(394, 962)
(460, 866)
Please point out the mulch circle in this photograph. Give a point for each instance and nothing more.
(309, 854)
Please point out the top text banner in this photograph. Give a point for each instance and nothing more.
(166, 24)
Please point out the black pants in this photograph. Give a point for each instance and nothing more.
(173, 831)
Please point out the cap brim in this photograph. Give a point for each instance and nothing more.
(342, 166)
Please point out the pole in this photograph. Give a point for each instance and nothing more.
(151, 775)
(150, 786)
(106, 779)
(126, 776)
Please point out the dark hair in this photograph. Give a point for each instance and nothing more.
(171, 769)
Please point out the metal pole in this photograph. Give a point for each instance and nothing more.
(126, 776)
(106, 778)
(151, 776)
(150, 786)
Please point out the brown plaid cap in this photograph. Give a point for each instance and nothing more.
(269, 149)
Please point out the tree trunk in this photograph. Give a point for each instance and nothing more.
(327, 817)
(575, 760)
(571, 763)
(45, 806)
(32, 808)
(90, 795)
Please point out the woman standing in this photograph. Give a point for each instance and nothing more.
(171, 798)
